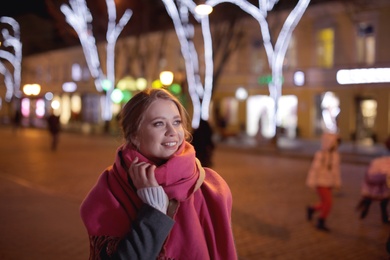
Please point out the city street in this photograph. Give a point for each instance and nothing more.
(41, 190)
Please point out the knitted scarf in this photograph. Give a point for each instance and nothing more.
(112, 205)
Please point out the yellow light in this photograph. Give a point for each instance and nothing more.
(203, 9)
(31, 89)
(36, 89)
(75, 103)
(27, 89)
(166, 78)
(157, 84)
(141, 83)
(55, 104)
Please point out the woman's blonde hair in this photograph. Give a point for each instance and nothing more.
(133, 112)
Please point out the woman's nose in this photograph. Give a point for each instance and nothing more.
(170, 130)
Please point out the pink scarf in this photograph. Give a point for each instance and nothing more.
(202, 222)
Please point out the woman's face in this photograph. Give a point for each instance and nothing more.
(161, 131)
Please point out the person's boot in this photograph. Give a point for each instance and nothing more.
(364, 206)
(309, 212)
(385, 216)
(321, 225)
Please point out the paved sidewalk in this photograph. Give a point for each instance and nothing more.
(41, 190)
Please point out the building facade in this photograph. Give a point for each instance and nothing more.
(335, 77)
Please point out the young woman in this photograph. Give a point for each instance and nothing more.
(156, 201)
(324, 174)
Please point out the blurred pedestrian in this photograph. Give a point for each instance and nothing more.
(323, 176)
(375, 186)
(202, 140)
(54, 127)
(17, 119)
(157, 201)
(388, 244)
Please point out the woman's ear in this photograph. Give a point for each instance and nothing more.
(135, 142)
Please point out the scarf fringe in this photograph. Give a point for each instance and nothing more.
(99, 243)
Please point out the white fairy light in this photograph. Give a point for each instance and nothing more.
(11, 39)
(200, 95)
(80, 18)
(184, 32)
(209, 68)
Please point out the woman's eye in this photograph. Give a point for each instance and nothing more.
(177, 122)
(159, 123)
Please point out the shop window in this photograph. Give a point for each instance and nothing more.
(325, 48)
(286, 118)
(260, 111)
(365, 44)
(365, 120)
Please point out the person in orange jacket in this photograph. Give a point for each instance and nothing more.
(323, 176)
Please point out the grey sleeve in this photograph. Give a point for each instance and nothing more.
(147, 235)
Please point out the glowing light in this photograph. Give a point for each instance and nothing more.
(69, 87)
(40, 108)
(299, 78)
(330, 110)
(25, 106)
(55, 104)
(157, 84)
(126, 83)
(106, 84)
(141, 84)
(117, 96)
(76, 72)
(203, 9)
(75, 103)
(32, 89)
(126, 96)
(166, 77)
(65, 109)
(49, 96)
(363, 76)
(241, 93)
(175, 89)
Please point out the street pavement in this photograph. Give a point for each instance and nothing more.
(41, 190)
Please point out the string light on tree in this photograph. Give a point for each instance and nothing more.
(11, 39)
(275, 54)
(79, 17)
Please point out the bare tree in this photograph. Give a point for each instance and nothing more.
(275, 53)
(79, 17)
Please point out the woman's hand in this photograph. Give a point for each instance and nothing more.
(142, 174)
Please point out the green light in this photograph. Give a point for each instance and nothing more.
(175, 89)
(117, 96)
(265, 80)
(106, 84)
(126, 96)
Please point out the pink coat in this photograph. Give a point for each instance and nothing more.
(374, 184)
(324, 170)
